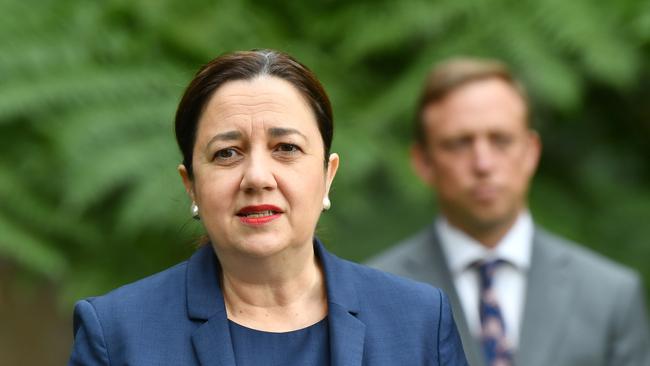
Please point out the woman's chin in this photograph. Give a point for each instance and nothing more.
(259, 246)
(263, 250)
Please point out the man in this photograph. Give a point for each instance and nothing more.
(520, 294)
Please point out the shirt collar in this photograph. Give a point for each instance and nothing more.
(461, 250)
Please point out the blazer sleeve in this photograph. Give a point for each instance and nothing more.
(630, 339)
(89, 347)
(450, 347)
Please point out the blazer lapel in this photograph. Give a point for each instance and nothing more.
(548, 295)
(212, 343)
(347, 336)
(347, 332)
(211, 340)
(428, 264)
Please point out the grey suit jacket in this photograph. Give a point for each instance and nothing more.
(580, 308)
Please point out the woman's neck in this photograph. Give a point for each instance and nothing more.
(280, 293)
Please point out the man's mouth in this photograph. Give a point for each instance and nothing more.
(485, 193)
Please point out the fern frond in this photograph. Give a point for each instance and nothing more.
(33, 253)
(77, 88)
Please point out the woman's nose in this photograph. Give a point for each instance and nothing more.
(258, 174)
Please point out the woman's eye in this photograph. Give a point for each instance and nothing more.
(288, 148)
(224, 154)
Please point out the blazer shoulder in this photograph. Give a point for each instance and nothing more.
(126, 322)
(396, 259)
(586, 262)
(375, 285)
(141, 294)
(608, 298)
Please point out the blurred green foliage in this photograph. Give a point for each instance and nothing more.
(89, 193)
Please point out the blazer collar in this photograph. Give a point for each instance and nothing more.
(204, 298)
(341, 289)
(430, 261)
(211, 339)
(548, 294)
(347, 332)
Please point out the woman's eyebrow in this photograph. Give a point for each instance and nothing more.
(283, 131)
(226, 136)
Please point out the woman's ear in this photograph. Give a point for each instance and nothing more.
(187, 181)
(332, 167)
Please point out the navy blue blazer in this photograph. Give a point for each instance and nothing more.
(178, 317)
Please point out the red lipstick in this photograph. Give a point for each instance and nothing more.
(259, 214)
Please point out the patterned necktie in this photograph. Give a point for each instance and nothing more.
(493, 330)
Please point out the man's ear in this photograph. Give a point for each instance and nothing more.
(533, 153)
(187, 181)
(422, 164)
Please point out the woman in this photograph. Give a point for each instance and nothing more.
(255, 130)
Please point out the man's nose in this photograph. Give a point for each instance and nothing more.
(483, 158)
(258, 174)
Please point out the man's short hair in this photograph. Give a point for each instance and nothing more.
(450, 75)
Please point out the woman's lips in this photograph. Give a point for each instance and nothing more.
(259, 214)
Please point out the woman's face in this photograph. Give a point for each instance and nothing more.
(259, 177)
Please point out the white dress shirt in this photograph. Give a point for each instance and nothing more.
(509, 282)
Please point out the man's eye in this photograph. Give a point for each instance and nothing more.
(457, 143)
(502, 140)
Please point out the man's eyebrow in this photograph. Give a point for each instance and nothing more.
(283, 131)
(226, 136)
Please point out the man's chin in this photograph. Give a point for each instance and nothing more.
(488, 220)
(481, 217)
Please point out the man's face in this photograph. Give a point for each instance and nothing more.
(479, 156)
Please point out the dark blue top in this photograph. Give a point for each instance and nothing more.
(307, 346)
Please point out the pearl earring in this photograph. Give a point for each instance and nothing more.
(195, 211)
(326, 203)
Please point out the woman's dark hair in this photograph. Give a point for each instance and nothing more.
(246, 65)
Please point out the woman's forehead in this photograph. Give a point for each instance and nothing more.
(260, 94)
(262, 103)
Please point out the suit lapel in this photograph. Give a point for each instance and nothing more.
(347, 336)
(347, 332)
(428, 264)
(548, 295)
(211, 340)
